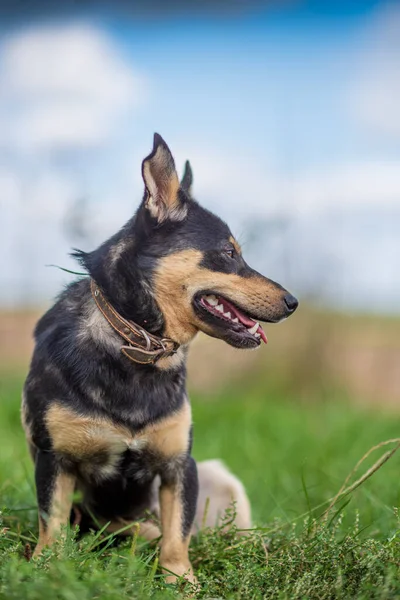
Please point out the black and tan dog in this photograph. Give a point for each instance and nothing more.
(105, 408)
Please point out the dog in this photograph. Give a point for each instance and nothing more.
(105, 408)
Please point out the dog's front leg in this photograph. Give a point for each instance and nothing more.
(54, 490)
(178, 500)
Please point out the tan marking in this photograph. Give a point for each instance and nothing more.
(174, 547)
(82, 436)
(179, 277)
(170, 437)
(174, 361)
(218, 488)
(162, 184)
(60, 509)
(236, 245)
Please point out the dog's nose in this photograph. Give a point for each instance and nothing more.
(291, 303)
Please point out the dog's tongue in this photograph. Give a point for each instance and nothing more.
(244, 319)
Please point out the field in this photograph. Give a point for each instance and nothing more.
(293, 454)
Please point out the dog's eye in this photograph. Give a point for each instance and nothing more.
(229, 252)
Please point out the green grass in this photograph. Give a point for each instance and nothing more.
(292, 456)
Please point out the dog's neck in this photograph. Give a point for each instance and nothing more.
(137, 344)
(125, 279)
(134, 302)
(110, 334)
(126, 283)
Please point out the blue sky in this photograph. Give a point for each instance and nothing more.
(272, 83)
(289, 112)
(269, 81)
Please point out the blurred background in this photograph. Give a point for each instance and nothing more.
(289, 114)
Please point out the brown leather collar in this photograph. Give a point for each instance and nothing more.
(143, 347)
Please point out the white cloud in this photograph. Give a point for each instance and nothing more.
(63, 87)
(234, 187)
(67, 88)
(345, 187)
(241, 186)
(374, 95)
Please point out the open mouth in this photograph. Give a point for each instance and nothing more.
(231, 317)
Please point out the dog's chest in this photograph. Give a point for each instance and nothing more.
(98, 447)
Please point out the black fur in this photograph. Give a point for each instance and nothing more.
(84, 371)
(45, 474)
(190, 493)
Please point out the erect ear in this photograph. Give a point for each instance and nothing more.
(187, 179)
(162, 184)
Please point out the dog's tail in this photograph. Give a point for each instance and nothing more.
(220, 490)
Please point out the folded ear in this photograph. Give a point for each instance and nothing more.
(187, 179)
(162, 184)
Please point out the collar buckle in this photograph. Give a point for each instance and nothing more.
(154, 347)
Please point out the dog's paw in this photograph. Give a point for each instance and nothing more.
(173, 571)
(38, 550)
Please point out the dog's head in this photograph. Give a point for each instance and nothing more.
(176, 268)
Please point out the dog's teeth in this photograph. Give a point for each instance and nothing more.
(235, 320)
(253, 329)
(212, 300)
(220, 308)
(257, 335)
(228, 314)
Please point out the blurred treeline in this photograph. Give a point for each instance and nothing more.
(309, 358)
